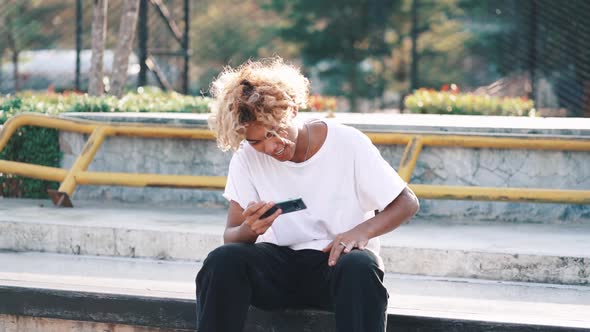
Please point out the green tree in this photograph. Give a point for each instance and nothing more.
(346, 37)
(24, 27)
(441, 39)
(494, 28)
(539, 38)
(223, 35)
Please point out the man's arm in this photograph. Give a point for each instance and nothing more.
(401, 209)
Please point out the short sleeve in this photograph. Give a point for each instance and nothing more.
(377, 183)
(239, 186)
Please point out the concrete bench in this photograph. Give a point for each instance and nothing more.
(144, 314)
(124, 267)
(50, 292)
(542, 253)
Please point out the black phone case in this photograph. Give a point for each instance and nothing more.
(287, 207)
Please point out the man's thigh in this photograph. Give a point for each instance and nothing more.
(318, 281)
(272, 275)
(313, 279)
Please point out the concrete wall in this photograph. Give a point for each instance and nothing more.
(445, 166)
(13, 323)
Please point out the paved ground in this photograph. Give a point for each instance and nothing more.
(471, 272)
(536, 239)
(511, 252)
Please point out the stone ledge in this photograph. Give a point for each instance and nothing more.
(180, 314)
(387, 122)
(515, 252)
(68, 278)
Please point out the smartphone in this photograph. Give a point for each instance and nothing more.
(291, 205)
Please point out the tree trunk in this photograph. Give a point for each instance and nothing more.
(532, 48)
(414, 34)
(3, 45)
(79, 17)
(12, 46)
(142, 42)
(353, 94)
(15, 70)
(99, 29)
(124, 44)
(1, 63)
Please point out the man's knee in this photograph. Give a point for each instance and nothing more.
(225, 260)
(359, 277)
(230, 252)
(359, 265)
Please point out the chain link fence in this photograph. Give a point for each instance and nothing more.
(369, 53)
(534, 48)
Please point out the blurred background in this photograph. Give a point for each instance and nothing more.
(364, 55)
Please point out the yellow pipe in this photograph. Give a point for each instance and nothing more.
(408, 162)
(40, 120)
(6, 133)
(164, 132)
(474, 141)
(389, 138)
(508, 143)
(81, 164)
(469, 141)
(77, 173)
(33, 171)
(423, 191)
(502, 194)
(150, 180)
(86, 126)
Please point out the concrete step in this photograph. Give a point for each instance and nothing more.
(543, 253)
(144, 292)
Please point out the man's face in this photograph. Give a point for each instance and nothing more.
(269, 140)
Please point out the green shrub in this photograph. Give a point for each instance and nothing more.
(445, 102)
(33, 145)
(40, 146)
(318, 103)
(147, 100)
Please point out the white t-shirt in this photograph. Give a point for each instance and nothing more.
(340, 184)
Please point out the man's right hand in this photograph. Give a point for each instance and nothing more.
(245, 225)
(252, 216)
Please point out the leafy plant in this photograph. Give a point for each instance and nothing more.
(428, 101)
(319, 103)
(145, 100)
(40, 146)
(33, 145)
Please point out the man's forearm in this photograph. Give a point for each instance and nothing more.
(239, 234)
(397, 212)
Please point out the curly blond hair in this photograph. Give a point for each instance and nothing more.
(266, 91)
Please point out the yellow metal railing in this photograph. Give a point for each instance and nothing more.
(78, 174)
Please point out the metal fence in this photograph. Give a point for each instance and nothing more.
(537, 48)
(376, 50)
(78, 174)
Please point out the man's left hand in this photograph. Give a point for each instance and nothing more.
(344, 243)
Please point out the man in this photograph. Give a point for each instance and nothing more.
(325, 256)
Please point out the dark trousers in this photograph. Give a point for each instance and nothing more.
(235, 276)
